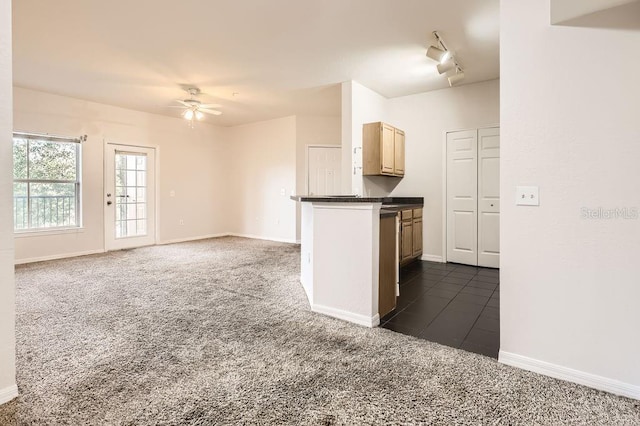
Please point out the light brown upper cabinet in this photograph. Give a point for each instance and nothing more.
(382, 150)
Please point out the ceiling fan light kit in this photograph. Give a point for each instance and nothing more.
(194, 109)
(446, 61)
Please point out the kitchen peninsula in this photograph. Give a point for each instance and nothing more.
(341, 252)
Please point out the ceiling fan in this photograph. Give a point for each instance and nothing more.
(193, 108)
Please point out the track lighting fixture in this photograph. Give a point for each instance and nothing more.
(456, 78)
(447, 62)
(446, 66)
(436, 53)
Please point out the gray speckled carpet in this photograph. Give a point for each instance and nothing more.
(219, 332)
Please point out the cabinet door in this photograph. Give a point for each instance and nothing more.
(417, 237)
(407, 239)
(388, 266)
(387, 150)
(399, 152)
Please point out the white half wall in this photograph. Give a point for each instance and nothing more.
(192, 164)
(8, 389)
(569, 283)
(344, 266)
(261, 179)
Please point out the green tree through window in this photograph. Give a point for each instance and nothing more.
(46, 182)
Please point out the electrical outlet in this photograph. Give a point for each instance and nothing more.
(527, 196)
(181, 221)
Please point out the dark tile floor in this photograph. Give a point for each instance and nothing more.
(455, 305)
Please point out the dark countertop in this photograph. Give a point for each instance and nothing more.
(397, 207)
(387, 202)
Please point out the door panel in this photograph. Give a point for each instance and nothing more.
(324, 170)
(417, 236)
(387, 150)
(399, 152)
(130, 197)
(462, 193)
(407, 239)
(489, 197)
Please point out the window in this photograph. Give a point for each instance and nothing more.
(46, 182)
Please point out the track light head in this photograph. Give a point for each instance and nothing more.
(446, 66)
(437, 54)
(456, 78)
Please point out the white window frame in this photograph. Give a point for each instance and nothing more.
(77, 182)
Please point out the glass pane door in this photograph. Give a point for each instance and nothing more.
(129, 208)
(131, 190)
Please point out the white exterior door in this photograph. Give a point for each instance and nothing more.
(489, 197)
(473, 197)
(324, 170)
(129, 197)
(462, 197)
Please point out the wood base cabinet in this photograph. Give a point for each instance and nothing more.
(388, 265)
(410, 235)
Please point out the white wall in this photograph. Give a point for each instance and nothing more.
(312, 130)
(361, 105)
(191, 163)
(262, 177)
(564, 10)
(569, 122)
(426, 118)
(7, 287)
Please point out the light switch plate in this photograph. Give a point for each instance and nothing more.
(527, 196)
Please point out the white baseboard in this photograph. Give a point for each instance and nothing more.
(7, 394)
(259, 237)
(173, 241)
(196, 238)
(347, 316)
(432, 258)
(569, 374)
(57, 256)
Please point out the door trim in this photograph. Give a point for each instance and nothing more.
(444, 183)
(156, 184)
(306, 162)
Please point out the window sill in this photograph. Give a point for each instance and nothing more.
(47, 232)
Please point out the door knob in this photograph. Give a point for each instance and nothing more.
(109, 203)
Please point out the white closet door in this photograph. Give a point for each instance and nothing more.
(489, 197)
(324, 170)
(462, 197)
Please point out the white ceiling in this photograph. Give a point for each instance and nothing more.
(282, 57)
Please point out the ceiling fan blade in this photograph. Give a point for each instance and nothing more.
(183, 103)
(174, 106)
(210, 111)
(210, 106)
